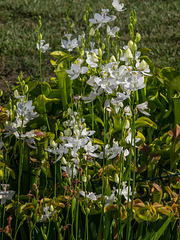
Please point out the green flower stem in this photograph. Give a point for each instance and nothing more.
(86, 228)
(19, 179)
(121, 169)
(77, 214)
(42, 91)
(55, 178)
(107, 39)
(134, 167)
(92, 117)
(67, 215)
(3, 218)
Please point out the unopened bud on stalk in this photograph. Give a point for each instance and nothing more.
(16, 93)
(26, 88)
(72, 25)
(1, 93)
(10, 112)
(52, 143)
(63, 161)
(70, 111)
(82, 53)
(103, 46)
(89, 177)
(134, 47)
(126, 124)
(92, 32)
(40, 36)
(138, 38)
(85, 18)
(142, 66)
(61, 134)
(100, 52)
(23, 83)
(95, 58)
(84, 179)
(120, 53)
(135, 111)
(51, 208)
(87, 210)
(116, 178)
(130, 44)
(128, 54)
(112, 59)
(77, 48)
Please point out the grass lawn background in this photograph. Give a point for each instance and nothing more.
(158, 23)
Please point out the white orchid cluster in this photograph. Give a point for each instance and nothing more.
(123, 191)
(76, 140)
(24, 114)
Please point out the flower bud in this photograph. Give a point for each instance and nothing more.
(128, 54)
(1, 93)
(26, 88)
(134, 47)
(138, 38)
(68, 132)
(85, 18)
(51, 208)
(82, 53)
(100, 52)
(126, 124)
(142, 66)
(112, 59)
(92, 32)
(87, 210)
(72, 25)
(103, 46)
(52, 143)
(116, 178)
(10, 112)
(16, 93)
(130, 44)
(120, 53)
(23, 83)
(70, 111)
(63, 161)
(95, 58)
(84, 179)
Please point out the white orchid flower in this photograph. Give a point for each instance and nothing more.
(92, 196)
(40, 46)
(141, 107)
(112, 32)
(6, 194)
(102, 19)
(118, 6)
(76, 70)
(69, 45)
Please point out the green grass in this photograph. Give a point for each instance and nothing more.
(158, 23)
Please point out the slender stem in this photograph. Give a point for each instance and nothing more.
(107, 39)
(19, 178)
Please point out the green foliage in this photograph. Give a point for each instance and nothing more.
(82, 160)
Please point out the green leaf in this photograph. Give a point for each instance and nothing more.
(158, 231)
(59, 54)
(62, 79)
(88, 118)
(145, 122)
(42, 100)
